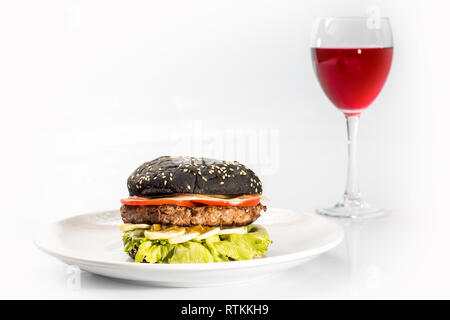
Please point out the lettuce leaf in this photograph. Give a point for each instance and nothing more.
(190, 252)
(132, 239)
(153, 252)
(213, 249)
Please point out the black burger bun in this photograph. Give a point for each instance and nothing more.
(171, 175)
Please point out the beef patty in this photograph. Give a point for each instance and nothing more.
(188, 216)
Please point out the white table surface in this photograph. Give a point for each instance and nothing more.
(90, 90)
(390, 257)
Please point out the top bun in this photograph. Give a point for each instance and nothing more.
(169, 175)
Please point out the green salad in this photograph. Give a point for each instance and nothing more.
(217, 248)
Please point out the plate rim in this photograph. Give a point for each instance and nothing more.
(257, 262)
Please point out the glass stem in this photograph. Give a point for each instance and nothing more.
(352, 195)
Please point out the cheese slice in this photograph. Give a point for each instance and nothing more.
(206, 232)
(238, 230)
(212, 197)
(130, 226)
(177, 234)
(168, 233)
(184, 238)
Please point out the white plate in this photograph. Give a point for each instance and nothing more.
(93, 243)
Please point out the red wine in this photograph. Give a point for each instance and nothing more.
(352, 77)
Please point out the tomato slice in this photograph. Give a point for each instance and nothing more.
(139, 201)
(220, 202)
(192, 200)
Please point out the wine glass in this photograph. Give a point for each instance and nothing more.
(352, 58)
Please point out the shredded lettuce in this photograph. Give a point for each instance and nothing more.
(217, 248)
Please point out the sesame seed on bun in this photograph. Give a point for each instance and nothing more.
(171, 175)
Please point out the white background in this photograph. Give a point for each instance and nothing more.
(91, 89)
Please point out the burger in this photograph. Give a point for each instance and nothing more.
(193, 210)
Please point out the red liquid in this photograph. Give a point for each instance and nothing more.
(352, 77)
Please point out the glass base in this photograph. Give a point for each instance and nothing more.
(352, 210)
